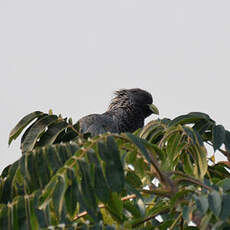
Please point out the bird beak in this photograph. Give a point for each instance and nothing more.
(154, 109)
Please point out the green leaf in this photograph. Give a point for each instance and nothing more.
(42, 167)
(202, 126)
(131, 157)
(218, 136)
(100, 185)
(104, 152)
(200, 160)
(86, 185)
(225, 211)
(35, 132)
(133, 179)
(226, 185)
(202, 204)
(205, 221)
(158, 208)
(138, 142)
(174, 148)
(186, 213)
(53, 158)
(187, 165)
(152, 131)
(114, 177)
(140, 166)
(193, 135)
(31, 172)
(214, 201)
(58, 195)
(131, 206)
(51, 134)
(4, 222)
(141, 205)
(71, 193)
(175, 199)
(188, 118)
(115, 206)
(227, 140)
(113, 167)
(22, 124)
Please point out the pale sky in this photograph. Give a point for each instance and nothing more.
(70, 55)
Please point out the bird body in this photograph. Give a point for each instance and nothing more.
(126, 113)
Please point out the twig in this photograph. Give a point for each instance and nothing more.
(163, 177)
(159, 192)
(165, 193)
(150, 217)
(175, 222)
(133, 196)
(190, 179)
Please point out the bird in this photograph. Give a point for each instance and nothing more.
(126, 113)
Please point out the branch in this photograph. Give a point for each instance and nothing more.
(133, 196)
(150, 217)
(158, 192)
(163, 177)
(190, 179)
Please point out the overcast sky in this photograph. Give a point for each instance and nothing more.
(69, 56)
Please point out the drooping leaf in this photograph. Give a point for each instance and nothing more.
(51, 134)
(115, 206)
(22, 124)
(202, 204)
(71, 193)
(113, 167)
(187, 165)
(175, 145)
(36, 131)
(227, 140)
(132, 208)
(186, 213)
(4, 217)
(218, 136)
(100, 185)
(200, 159)
(58, 195)
(86, 185)
(133, 179)
(188, 118)
(138, 142)
(202, 126)
(225, 211)
(214, 202)
(152, 131)
(205, 221)
(226, 184)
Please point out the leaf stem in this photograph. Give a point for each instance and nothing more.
(175, 222)
(190, 179)
(150, 217)
(132, 196)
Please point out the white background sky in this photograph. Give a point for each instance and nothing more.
(71, 55)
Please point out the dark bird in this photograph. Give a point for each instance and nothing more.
(126, 113)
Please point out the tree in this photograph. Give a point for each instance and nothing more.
(159, 177)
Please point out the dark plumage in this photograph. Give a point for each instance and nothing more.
(126, 113)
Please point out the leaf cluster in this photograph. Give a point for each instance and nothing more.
(159, 177)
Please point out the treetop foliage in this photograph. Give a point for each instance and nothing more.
(159, 177)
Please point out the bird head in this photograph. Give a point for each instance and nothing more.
(137, 99)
